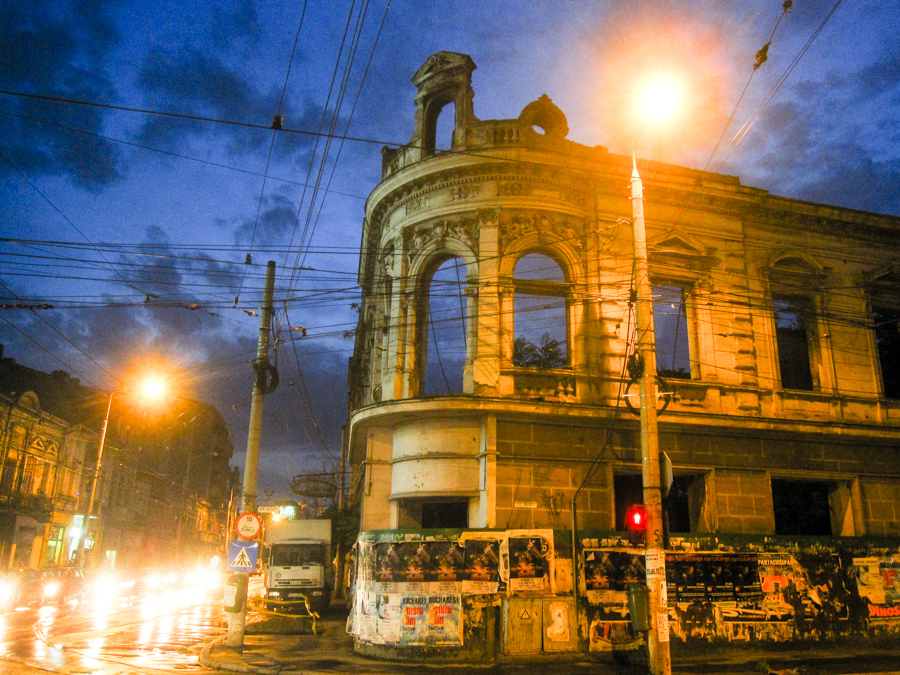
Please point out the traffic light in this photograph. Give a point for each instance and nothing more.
(636, 520)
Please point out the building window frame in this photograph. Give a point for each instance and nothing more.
(883, 300)
(839, 496)
(687, 310)
(794, 283)
(541, 356)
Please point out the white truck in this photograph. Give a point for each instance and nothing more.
(298, 563)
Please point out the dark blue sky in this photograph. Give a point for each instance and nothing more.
(158, 211)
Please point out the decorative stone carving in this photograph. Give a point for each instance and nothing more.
(464, 192)
(513, 189)
(387, 260)
(435, 234)
(549, 386)
(548, 229)
(416, 204)
(544, 114)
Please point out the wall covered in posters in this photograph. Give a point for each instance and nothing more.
(409, 588)
(420, 590)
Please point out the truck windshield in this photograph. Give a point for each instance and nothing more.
(284, 555)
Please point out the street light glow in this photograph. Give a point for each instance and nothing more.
(660, 100)
(153, 388)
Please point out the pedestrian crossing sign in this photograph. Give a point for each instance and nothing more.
(242, 555)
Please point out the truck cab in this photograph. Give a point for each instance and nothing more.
(297, 567)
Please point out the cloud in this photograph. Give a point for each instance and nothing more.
(832, 139)
(62, 55)
(192, 82)
(236, 26)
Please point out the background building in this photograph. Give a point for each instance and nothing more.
(165, 480)
(490, 382)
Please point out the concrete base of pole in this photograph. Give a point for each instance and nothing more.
(236, 622)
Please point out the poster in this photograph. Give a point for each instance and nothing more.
(718, 577)
(418, 561)
(414, 612)
(878, 581)
(481, 566)
(528, 563)
(606, 570)
(558, 630)
(444, 626)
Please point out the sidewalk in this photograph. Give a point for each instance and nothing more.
(331, 651)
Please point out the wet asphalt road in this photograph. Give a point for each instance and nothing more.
(114, 633)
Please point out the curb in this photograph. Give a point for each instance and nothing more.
(207, 662)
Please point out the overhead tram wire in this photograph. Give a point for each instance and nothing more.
(761, 57)
(745, 129)
(304, 240)
(315, 151)
(299, 262)
(63, 336)
(277, 123)
(164, 152)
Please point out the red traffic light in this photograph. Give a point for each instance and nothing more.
(636, 518)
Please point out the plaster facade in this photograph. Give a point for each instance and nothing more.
(749, 418)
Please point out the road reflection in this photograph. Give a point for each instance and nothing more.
(116, 622)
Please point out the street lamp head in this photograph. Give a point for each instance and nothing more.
(153, 388)
(659, 99)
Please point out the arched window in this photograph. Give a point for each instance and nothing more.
(444, 128)
(541, 313)
(446, 333)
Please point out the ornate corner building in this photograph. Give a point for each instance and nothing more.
(490, 390)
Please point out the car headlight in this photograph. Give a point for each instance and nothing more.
(51, 589)
(7, 591)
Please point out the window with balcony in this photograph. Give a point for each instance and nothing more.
(541, 313)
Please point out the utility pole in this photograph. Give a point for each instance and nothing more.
(83, 534)
(262, 385)
(658, 633)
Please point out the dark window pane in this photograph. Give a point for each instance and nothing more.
(793, 344)
(887, 341)
(673, 358)
(678, 503)
(284, 555)
(449, 514)
(801, 507)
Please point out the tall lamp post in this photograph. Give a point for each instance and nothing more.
(658, 633)
(152, 388)
(658, 101)
(79, 551)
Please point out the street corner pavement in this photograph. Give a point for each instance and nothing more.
(329, 650)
